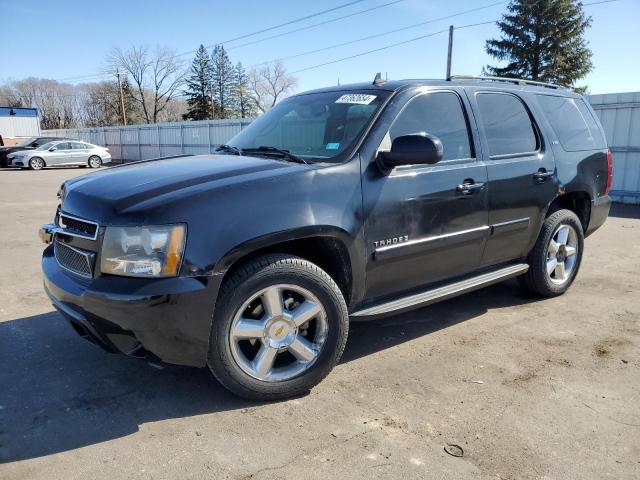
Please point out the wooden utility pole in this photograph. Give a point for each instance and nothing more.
(124, 113)
(213, 105)
(450, 52)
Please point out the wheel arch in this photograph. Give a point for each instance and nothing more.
(327, 247)
(579, 202)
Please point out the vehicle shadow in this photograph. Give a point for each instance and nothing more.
(621, 210)
(60, 393)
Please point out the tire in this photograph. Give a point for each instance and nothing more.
(300, 288)
(546, 276)
(94, 161)
(36, 163)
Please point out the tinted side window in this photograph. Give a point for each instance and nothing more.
(79, 146)
(63, 146)
(439, 114)
(572, 121)
(507, 124)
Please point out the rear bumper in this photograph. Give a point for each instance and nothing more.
(168, 319)
(599, 212)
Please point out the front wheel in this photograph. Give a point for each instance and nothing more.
(36, 163)
(95, 161)
(556, 257)
(279, 327)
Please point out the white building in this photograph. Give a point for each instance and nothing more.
(19, 122)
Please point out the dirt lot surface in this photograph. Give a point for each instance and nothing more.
(528, 388)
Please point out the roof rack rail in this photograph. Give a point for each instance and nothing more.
(518, 81)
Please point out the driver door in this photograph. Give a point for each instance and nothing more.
(423, 224)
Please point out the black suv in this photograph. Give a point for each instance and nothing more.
(30, 143)
(348, 202)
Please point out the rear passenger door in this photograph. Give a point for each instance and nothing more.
(521, 173)
(79, 152)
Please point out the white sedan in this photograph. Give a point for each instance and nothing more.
(60, 153)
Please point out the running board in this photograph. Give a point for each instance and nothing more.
(442, 293)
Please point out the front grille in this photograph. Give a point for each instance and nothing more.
(82, 228)
(75, 260)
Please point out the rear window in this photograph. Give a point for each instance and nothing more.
(573, 123)
(507, 124)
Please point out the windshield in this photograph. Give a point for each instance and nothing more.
(316, 126)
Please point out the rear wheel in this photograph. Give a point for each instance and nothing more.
(280, 326)
(36, 163)
(95, 161)
(556, 257)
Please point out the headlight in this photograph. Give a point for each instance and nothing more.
(143, 251)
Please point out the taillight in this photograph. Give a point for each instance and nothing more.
(107, 149)
(609, 171)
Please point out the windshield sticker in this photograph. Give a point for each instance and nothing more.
(332, 146)
(356, 98)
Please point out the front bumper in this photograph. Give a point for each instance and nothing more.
(168, 319)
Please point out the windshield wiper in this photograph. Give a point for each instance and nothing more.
(286, 154)
(228, 149)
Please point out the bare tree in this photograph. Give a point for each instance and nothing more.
(57, 102)
(156, 77)
(269, 84)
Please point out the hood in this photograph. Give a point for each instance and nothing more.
(154, 184)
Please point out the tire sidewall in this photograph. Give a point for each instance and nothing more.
(561, 217)
(221, 360)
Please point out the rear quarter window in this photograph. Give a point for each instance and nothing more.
(573, 123)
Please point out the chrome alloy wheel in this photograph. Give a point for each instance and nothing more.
(562, 254)
(94, 161)
(36, 163)
(278, 333)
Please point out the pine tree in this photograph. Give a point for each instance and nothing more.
(542, 40)
(244, 106)
(199, 86)
(222, 74)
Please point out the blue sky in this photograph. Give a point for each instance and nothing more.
(71, 38)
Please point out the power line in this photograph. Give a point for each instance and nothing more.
(389, 32)
(274, 27)
(290, 22)
(415, 39)
(325, 22)
(349, 42)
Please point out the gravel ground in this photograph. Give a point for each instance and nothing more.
(528, 388)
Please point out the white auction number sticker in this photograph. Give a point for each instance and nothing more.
(356, 98)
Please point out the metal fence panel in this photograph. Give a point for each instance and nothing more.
(139, 142)
(619, 114)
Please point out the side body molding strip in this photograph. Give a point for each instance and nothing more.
(429, 243)
(442, 293)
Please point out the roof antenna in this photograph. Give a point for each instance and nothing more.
(378, 80)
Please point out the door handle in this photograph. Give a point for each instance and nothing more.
(542, 174)
(469, 187)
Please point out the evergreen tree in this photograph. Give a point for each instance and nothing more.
(199, 86)
(244, 106)
(542, 40)
(223, 76)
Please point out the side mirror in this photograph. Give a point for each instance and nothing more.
(415, 149)
(52, 149)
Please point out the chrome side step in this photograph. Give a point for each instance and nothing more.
(442, 293)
